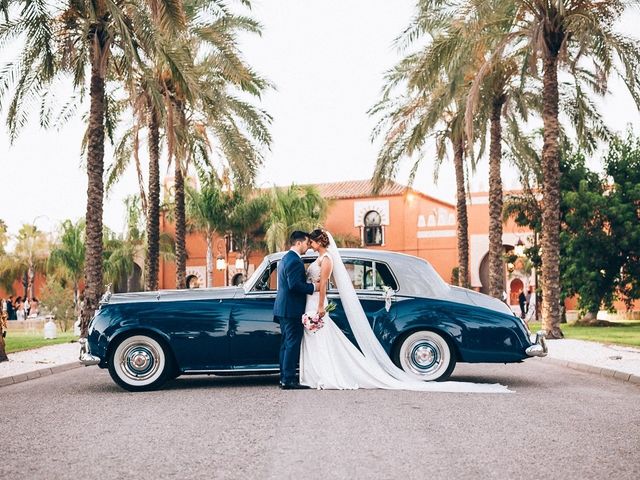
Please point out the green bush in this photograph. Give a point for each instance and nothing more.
(58, 301)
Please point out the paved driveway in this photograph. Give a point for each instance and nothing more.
(560, 423)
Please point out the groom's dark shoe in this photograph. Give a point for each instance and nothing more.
(293, 386)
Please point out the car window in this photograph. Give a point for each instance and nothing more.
(369, 275)
(268, 281)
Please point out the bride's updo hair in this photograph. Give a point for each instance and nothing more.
(320, 236)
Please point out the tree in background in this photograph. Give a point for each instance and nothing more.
(58, 300)
(247, 224)
(66, 260)
(208, 212)
(122, 251)
(600, 226)
(622, 167)
(294, 208)
(579, 38)
(31, 252)
(89, 42)
(424, 98)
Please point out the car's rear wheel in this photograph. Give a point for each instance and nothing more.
(426, 355)
(140, 362)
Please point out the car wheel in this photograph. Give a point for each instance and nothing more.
(426, 355)
(139, 363)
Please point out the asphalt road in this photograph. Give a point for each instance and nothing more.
(560, 423)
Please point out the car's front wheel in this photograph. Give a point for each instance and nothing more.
(139, 362)
(426, 355)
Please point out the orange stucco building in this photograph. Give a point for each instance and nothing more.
(398, 218)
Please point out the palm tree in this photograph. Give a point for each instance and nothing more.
(578, 36)
(430, 104)
(213, 115)
(299, 207)
(196, 102)
(98, 37)
(208, 210)
(498, 90)
(67, 256)
(121, 252)
(247, 224)
(31, 251)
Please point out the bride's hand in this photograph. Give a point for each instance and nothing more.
(321, 312)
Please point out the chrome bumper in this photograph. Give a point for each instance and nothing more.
(85, 357)
(539, 347)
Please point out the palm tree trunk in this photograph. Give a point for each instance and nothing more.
(152, 262)
(551, 201)
(461, 213)
(496, 266)
(181, 252)
(95, 194)
(209, 260)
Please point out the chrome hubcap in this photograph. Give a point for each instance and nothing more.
(140, 361)
(423, 357)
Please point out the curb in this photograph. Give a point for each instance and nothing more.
(604, 372)
(42, 372)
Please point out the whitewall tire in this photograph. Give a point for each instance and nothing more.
(426, 355)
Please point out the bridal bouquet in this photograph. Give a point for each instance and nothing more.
(315, 322)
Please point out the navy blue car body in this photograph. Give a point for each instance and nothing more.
(425, 325)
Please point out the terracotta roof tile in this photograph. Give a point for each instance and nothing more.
(357, 189)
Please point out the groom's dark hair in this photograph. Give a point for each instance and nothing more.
(297, 236)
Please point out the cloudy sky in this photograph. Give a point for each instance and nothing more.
(326, 58)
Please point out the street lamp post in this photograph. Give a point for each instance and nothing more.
(222, 262)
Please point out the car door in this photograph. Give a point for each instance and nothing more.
(254, 338)
(371, 280)
(198, 331)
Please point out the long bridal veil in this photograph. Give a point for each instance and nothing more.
(371, 347)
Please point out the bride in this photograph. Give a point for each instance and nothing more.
(328, 360)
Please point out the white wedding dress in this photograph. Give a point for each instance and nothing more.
(328, 360)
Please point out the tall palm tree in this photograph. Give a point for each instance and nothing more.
(208, 210)
(299, 207)
(68, 255)
(75, 38)
(430, 104)
(498, 90)
(577, 36)
(197, 99)
(212, 115)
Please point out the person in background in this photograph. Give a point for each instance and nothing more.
(34, 309)
(522, 300)
(20, 313)
(11, 310)
(27, 307)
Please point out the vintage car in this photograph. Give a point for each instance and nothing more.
(424, 324)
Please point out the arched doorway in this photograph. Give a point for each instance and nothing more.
(516, 286)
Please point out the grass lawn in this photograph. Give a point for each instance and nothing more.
(621, 333)
(17, 341)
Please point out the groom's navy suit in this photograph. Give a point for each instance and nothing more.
(288, 310)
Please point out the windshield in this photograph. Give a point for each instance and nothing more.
(255, 275)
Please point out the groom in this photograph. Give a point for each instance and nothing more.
(289, 308)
